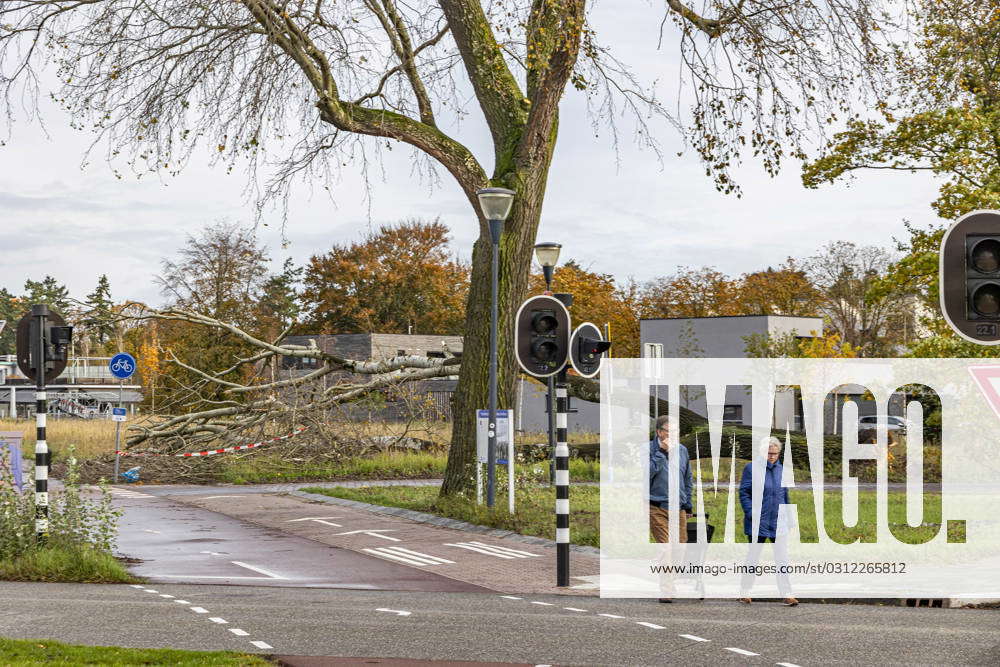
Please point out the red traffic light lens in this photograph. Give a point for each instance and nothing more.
(986, 256)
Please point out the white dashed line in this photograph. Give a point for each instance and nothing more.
(611, 615)
(164, 595)
(199, 610)
(238, 632)
(136, 585)
(786, 664)
(511, 597)
(216, 619)
(261, 645)
(149, 590)
(544, 604)
(182, 602)
(654, 626)
(741, 651)
(695, 638)
(257, 569)
(573, 609)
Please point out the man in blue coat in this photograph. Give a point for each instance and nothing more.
(660, 451)
(773, 495)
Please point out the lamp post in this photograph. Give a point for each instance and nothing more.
(495, 204)
(547, 255)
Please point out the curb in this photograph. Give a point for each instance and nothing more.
(444, 522)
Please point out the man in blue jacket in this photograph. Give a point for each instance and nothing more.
(773, 495)
(660, 451)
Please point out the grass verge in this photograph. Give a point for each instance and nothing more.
(70, 564)
(534, 515)
(45, 652)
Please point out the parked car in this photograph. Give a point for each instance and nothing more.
(891, 423)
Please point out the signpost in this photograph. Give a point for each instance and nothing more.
(504, 436)
(122, 366)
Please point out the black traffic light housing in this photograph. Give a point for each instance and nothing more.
(55, 343)
(541, 336)
(970, 277)
(587, 348)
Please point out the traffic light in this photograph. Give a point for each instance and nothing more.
(55, 342)
(587, 347)
(541, 336)
(970, 277)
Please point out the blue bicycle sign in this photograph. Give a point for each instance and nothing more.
(122, 366)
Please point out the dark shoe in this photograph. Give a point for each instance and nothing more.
(666, 600)
(746, 600)
(791, 602)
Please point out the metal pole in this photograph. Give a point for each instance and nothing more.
(551, 413)
(562, 484)
(41, 446)
(118, 430)
(496, 227)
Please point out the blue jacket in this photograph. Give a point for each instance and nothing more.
(774, 495)
(659, 473)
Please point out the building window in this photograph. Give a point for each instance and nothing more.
(309, 362)
(732, 414)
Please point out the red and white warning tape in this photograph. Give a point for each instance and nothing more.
(225, 450)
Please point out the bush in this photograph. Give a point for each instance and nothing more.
(77, 525)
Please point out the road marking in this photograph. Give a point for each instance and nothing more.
(126, 493)
(694, 638)
(155, 532)
(199, 610)
(514, 552)
(137, 585)
(397, 558)
(150, 590)
(407, 556)
(213, 497)
(654, 626)
(211, 553)
(373, 533)
(492, 550)
(544, 604)
(611, 615)
(257, 569)
(511, 597)
(260, 644)
(216, 619)
(573, 609)
(182, 601)
(398, 612)
(740, 651)
(319, 519)
(786, 664)
(238, 632)
(164, 595)
(480, 550)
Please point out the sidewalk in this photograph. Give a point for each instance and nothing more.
(495, 559)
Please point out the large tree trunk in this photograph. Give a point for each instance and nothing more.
(516, 248)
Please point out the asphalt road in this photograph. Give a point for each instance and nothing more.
(490, 627)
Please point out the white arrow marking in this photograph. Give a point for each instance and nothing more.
(398, 612)
(320, 519)
(374, 533)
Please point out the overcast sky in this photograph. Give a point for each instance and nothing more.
(627, 216)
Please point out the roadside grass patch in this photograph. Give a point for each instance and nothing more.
(534, 514)
(69, 562)
(89, 437)
(535, 511)
(45, 652)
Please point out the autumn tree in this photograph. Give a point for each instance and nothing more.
(157, 78)
(704, 292)
(597, 298)
(400, 279)
(786, 290)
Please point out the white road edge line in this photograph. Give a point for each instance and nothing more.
(611, 615)
(260, 644)
(740, 651)
(238, 632)
(654, 626)
(257, 569)
(694, 638)
(216, 619)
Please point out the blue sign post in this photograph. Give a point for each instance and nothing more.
(122, 366)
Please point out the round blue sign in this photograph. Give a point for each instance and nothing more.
(122, 366)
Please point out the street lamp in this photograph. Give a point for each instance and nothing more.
(547, 255)
(495, 204)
